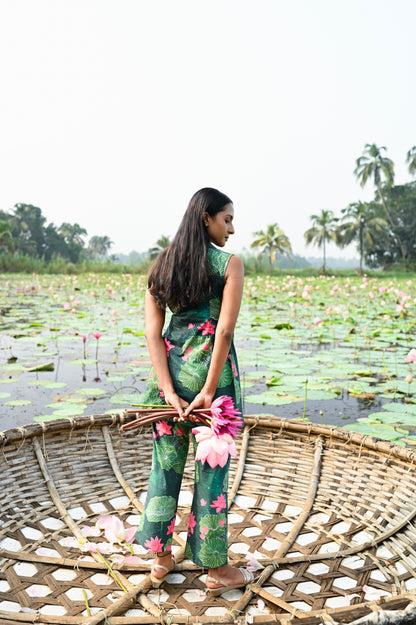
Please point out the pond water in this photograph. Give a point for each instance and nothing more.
(342, 348)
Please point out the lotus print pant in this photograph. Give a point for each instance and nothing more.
(207, 541)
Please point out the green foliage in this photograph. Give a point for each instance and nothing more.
(271, 241)
(323, 229)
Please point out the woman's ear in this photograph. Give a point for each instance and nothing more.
(205, 217)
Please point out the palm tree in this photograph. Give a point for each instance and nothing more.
(359, 223)
(372, 164)
(6, 237)
(411, 159)
(272, 241)
(323, 229)
(72, 233)
(161, 244)
(99, 246)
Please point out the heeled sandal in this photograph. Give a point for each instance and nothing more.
(247, 576)
(157, 581)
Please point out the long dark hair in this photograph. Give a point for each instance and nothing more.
(179, 276)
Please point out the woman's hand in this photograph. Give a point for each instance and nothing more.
(202, 400)
(172, 399)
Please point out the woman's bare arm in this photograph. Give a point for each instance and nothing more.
(154, 321)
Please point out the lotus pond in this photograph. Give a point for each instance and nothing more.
(326, 349)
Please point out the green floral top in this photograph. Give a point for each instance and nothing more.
(189, 340)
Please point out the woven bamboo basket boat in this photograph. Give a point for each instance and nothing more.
(330, 514)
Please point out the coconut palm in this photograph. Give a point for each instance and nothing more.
(323, 229)
(360, 224)
(6, 237)
(411, 159)
(271, 241)
(161, 244)
(99, 246)
(373, 165)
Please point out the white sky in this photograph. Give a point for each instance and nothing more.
(114, 112)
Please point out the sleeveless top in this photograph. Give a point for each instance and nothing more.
(189, 340)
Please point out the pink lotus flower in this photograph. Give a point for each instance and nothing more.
(169, 346)
(163, 428)
(155, 544)
(317, 321)
(411, 356)
(207, 328)
(97, 335)
(409, 378)
(192, 524)
(225, 419)
(219, 504)
(171, 527)
(114, 530)
(212, 448)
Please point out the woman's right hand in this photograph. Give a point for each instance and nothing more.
(172, 399)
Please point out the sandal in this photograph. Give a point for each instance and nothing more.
(157, 581)
(247, 576)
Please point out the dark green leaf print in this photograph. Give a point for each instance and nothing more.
(214, 308)
(193, 377)
(171, 456)
(160, 509)
(215, 524)
(226, 376)
(213, 552)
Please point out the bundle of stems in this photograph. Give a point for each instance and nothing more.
(150, 414)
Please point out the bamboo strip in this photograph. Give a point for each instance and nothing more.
(240, 467)
(290, 539)
(150, 606)
(114, 465)
(276, 600)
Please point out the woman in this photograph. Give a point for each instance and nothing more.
(194, 362)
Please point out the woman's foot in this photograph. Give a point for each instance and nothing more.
(226, 578)
(162, 565)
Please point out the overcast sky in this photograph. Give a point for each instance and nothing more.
(114, 112)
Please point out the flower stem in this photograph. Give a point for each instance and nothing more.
(306, 396)
(86, 602)
(113, 573)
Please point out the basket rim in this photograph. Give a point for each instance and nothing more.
(275, 423)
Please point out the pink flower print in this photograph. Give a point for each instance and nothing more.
(204, 531)
(222, 523)
(190, 326)
(171, 527)
(219, 504)
(154, 544)
(203, 502)
(154, 435)
(169, 346)
(188, 350)
(179, 431)
(207, 328)
(163, 428)
(234, 370)
(206, 347)
(192, 524)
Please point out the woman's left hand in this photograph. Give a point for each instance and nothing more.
(202, 400)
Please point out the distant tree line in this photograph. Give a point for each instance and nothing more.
(384, 230)
(23, 231)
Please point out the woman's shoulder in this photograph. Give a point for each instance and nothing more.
(217, 259)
